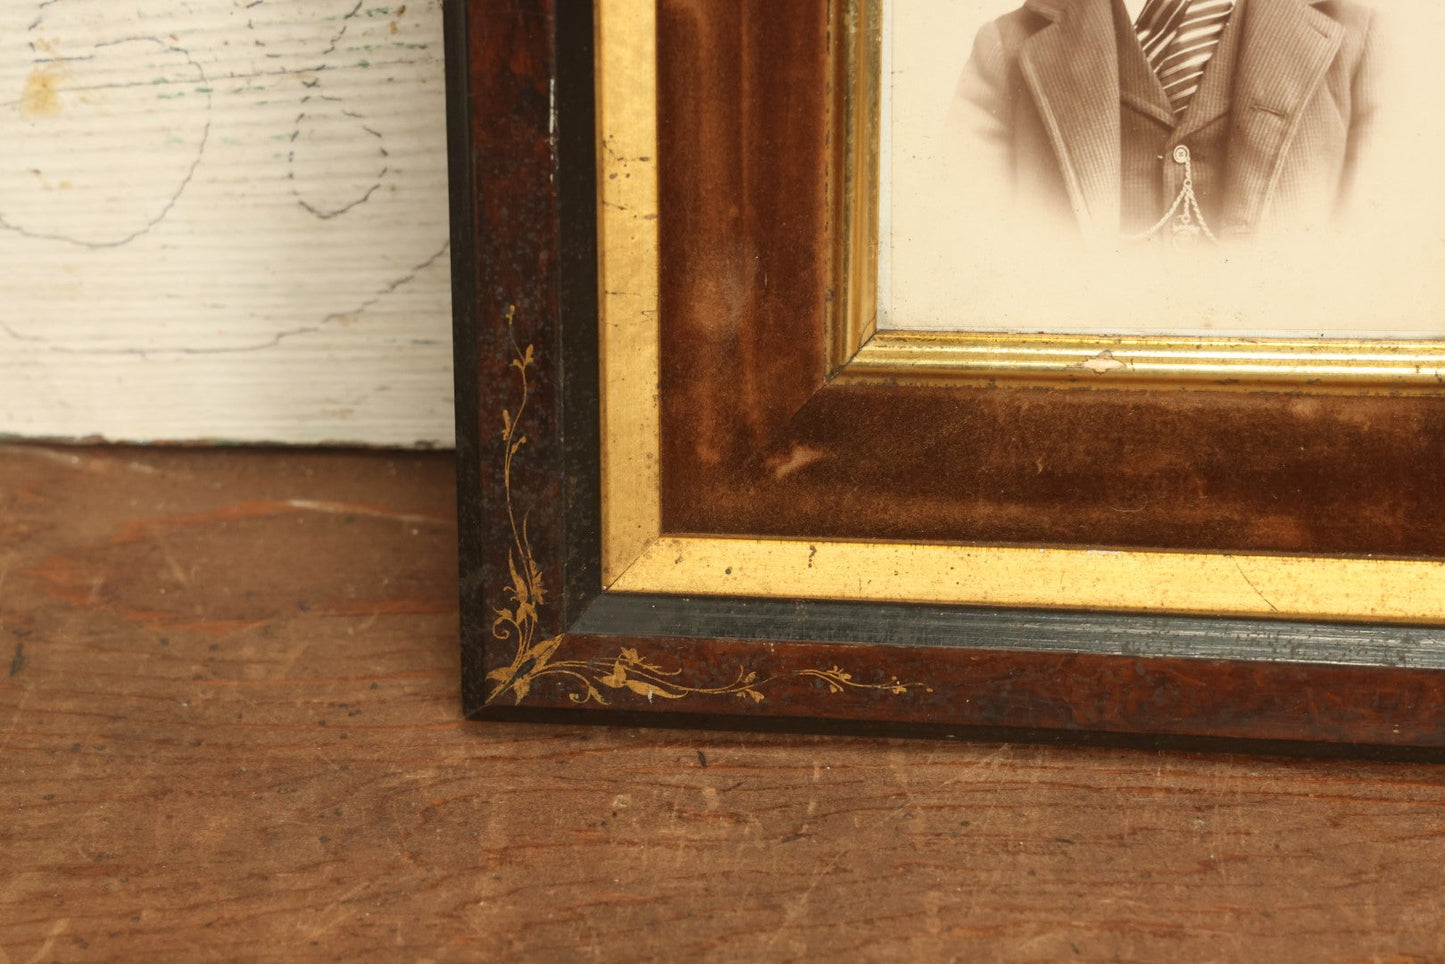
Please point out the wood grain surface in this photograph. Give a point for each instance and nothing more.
(224, 221)
(230, 728)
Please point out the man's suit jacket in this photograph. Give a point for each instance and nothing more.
(1041, 95)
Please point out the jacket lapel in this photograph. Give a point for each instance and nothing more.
(1285, 50)
(1072, 70)
(1139, 86)
(1212, 100)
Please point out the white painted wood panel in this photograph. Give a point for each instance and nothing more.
(224, 219)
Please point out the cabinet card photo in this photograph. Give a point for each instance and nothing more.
(1251, 168)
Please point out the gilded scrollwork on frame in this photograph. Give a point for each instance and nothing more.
(593, 680)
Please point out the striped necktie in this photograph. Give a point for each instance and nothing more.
(1179, 37)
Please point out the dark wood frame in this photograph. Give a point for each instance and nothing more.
(524, 228)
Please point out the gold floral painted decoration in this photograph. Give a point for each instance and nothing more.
(629, 670)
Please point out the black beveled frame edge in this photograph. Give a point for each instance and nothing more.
(464, 265)
(563, 251)
(574, 233)
(1016, 630)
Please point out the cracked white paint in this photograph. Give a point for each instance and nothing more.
(1102, 363)
(224, 219)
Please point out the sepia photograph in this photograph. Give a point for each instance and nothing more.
(1259, 168)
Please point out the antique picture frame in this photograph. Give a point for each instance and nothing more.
(686, 488)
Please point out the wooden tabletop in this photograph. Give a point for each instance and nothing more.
(230, 730)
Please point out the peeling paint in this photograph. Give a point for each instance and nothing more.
(1102, 363)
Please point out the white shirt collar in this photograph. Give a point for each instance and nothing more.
(1135, 7)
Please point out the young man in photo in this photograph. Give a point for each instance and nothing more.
(1184, 121)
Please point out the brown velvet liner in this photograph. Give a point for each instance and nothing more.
(755, 443)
